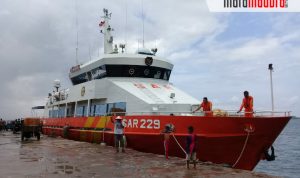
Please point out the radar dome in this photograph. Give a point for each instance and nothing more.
(56, 83)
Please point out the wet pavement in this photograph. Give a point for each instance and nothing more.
(57, 157)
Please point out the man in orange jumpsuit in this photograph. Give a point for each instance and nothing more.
(247, 104)
(207, 107)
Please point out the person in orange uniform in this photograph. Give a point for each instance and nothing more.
(207, 107)
(247, 104)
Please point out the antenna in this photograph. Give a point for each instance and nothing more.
(143, 23)
(77, 32)
(90, 52)
(125, 24)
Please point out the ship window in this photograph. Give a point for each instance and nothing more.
(100, 110)
(80, 111)
(98, 72)
(123, 71)
(61, 112)
(53, 113)
(110, 106)
(71, 110)
(92, 110)
(166, 75)
(157, 74)
(137, 71)
(79, 79)
(89, 76)
(118, 108)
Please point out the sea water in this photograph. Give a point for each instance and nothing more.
(287, 151)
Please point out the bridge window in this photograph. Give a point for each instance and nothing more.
(53, 113)
(123, 71)
(61, 112)
(100, 110)
(118, 108)
(137, 71)
(79, 79)
(80, 111)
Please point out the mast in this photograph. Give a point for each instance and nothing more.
(77, 33)
(143, 17)
(106, 30)
(271, 79)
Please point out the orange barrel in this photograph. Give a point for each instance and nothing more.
(32, 122)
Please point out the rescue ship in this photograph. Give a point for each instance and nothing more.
(137, 88)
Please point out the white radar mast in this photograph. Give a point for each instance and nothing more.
(106, 30)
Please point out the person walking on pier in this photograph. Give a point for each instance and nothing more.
(247, 104)
(1, 124)
(206, 106)
(119, 133)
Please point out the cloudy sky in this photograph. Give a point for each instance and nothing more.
(218, 55)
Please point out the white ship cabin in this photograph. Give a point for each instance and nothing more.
(131, 84)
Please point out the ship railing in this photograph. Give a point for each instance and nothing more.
(215, 113)
(257, 113)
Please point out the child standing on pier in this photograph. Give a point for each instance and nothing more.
(166, 132)
(191, 147)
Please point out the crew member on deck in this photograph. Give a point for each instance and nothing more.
(206, 106)
(247, 104)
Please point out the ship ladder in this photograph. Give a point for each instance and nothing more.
(248, 129)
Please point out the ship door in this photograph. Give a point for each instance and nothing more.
(71, 109)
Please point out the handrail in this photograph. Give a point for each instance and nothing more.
(230, 113)
(216, 113)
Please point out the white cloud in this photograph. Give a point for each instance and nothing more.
(231, 66)
(294, 100)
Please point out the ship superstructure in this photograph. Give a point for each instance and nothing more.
(119, 82)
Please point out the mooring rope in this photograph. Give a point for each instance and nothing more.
(179, 144)
(248, 134)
